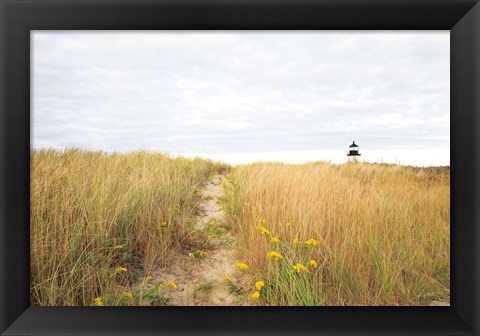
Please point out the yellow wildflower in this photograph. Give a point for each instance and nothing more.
(295, 241)
(259, 285)
(98, 301)
(170, 284)
(288, 225)
(274, 241)
(117, 247)
(312, 242)
(211, 236)
(313, 263)
(300, 268)
(274, 254)
(241, 266)
(148, 278)
(164, 223)
(256, 295)
(128, 294)
(227, 278)
(262, 230)
(121, 269)
(262, 221)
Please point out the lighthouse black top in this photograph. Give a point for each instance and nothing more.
(353, 150)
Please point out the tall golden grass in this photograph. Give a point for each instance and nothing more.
(382, 231)
(100, 221)
(354, 234)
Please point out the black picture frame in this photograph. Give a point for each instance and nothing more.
(19, 17)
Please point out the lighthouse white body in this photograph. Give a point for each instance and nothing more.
(353, 158)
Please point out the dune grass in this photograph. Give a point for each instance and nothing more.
(101, 222)
(353, 234)
(312, 234)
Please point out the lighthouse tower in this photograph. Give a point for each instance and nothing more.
(353, 153)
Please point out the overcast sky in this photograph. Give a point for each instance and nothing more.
(245, 96)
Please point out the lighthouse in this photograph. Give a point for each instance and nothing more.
(353, 153)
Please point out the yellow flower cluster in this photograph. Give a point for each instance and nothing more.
(241, 266)
(148, 278)
(128, 294)
(98, 301)
(312, 242)
(274, 255)
(262, 230)
(285, 255)
(274, 241)
(212, 236)
(169, 284)
(227, 278)
(121, 269)
(300, 268)
(259, 284)
(117, 247)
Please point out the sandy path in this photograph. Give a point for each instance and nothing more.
(201, 280)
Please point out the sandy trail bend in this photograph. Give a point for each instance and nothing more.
(201, 280)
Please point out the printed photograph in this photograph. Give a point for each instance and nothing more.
(240, 168)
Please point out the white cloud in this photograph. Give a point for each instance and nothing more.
(237, 96)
